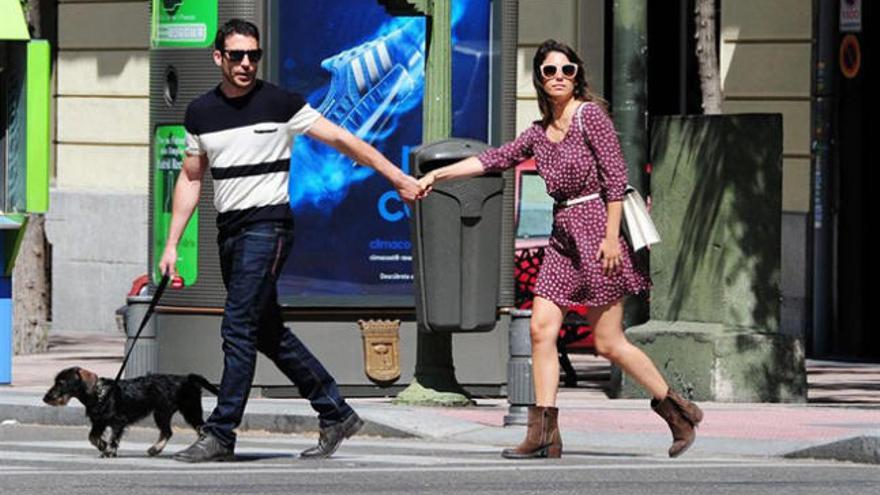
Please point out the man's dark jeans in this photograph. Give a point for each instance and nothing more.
(250, 261)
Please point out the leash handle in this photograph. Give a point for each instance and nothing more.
(163, 283)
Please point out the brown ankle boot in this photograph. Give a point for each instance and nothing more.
(542, 436)
(682, 416)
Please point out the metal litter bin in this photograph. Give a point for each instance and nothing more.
(456, 239)
(144, 358)
(520, 387)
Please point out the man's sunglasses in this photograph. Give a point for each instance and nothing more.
(238, 55)
(550, 70)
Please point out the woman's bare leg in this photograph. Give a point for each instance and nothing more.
(611, 343)
(546, 319)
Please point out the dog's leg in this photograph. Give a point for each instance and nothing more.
(163, 421)
(96, 437)
(191, 408)
(115, 434)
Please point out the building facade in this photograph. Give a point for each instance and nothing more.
(98, 220)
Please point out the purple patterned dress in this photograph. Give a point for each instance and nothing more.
(570, 273)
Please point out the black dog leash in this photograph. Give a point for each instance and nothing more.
(159, 290)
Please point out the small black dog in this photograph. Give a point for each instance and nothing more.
(118, 404)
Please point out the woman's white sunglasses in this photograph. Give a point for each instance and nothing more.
(550, 70)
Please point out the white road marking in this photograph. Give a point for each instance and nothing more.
(215, 469)
(42, 458)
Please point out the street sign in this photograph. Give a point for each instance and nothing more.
(850, 56)
(184, 23)
(851, 16)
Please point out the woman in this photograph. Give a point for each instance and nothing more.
(587, 261)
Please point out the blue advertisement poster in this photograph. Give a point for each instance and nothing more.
(363, 69)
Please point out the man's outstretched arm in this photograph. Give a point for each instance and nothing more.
(360, 151)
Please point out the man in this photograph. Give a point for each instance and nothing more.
(243, 129)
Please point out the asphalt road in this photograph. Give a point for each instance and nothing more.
(59, 460)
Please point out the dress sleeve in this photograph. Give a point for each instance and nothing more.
(509, 154)
(602, 136)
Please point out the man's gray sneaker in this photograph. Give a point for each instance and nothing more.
(332, 436)
(206, 449)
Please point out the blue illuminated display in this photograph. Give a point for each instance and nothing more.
(364, 70)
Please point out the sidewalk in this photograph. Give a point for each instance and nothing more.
(841, 420)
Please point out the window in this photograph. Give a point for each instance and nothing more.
(535, 208)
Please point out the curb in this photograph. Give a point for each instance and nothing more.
(861, 449)
(274, 423)
(410, 423)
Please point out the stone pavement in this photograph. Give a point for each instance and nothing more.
(840, 421)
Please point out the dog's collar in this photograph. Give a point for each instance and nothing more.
(102, 388)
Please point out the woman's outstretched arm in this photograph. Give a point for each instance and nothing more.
(469, 167)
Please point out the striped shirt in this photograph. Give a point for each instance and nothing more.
(248, 141)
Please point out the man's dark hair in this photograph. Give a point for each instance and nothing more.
(235, 26)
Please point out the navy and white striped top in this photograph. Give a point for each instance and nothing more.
(248, 141)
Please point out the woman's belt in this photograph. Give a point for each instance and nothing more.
(578, 200)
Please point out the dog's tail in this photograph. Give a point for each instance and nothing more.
(203, 382)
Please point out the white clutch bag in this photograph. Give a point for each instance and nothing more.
(640, 229)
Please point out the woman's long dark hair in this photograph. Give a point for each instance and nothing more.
(582, 90)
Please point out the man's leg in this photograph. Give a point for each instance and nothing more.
(248, 261)
(298, 364)
(337, 419)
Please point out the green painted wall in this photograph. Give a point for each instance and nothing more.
(38, 94)
(717, 198)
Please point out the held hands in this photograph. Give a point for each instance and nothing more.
(426, 184)
(408, 188)
(609, 254)
(411, 190)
